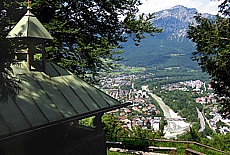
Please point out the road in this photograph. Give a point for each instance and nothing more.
(174, 127)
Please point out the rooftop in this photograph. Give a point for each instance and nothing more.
(50, 97)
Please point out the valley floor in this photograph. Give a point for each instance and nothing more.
(176, 124)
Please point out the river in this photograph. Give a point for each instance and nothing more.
(176, 125)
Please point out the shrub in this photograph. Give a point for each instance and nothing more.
(136, 144)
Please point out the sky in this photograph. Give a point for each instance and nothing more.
(203, 6)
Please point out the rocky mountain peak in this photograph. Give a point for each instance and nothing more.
(179, 12)
(175, 21)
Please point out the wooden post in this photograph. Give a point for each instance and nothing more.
(98, 123)
(43, 57)
(187, 145)
(150, 142)
(28, 57)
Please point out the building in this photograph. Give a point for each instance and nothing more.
(43, 118)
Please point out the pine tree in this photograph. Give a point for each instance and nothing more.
(8, 82)
(87, 34)
(212, 38)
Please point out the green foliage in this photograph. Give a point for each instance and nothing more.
(88, 34)
(207, 131)
(161, 113)
(87, 121)
(191, 135)
(169, 76)
(212, 37)
(220, 142)
(117, 153)
(137, 138)
(220, 124)
(160, 52)
(136, 144)
(113, 127)
(181, 102)
(9, 84)
(138, 132)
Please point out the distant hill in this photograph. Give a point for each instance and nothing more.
(171, 48)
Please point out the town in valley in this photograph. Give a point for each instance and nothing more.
(148, 110)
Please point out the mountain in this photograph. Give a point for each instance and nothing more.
(175, 21)
(170, 48)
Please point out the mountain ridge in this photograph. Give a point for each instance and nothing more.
(176, 20)
(171, 48)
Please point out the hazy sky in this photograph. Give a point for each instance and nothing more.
(203, 6)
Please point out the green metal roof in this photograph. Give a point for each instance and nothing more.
(51, 97)
(29, 27)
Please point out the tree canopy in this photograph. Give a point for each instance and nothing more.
(8, 82)
(212, 38)
(87, 34)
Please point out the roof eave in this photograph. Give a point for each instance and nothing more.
(70, 119)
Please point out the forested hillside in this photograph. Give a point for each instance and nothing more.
(156, 51)
(171, 48)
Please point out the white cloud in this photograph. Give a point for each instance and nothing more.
(211, 7)
(203, 6)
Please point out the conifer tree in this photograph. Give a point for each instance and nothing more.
(87, 34)
(8, 82)
(212, 38)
